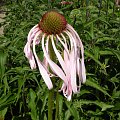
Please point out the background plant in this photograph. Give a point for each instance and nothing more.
(24, 96)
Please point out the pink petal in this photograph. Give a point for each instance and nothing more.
(54, 66)
(71, 41)
(27, 49)
(73, 71)
(64, 44)
(29, 55)
(60, 59)
(69, 27)
(42, 70)
(83, 71)
(67, 91)
(30, 33)
(79, 72)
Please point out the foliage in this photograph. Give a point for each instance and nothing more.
(23, 94)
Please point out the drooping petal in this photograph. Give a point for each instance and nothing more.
(47, 44)
(42, 70)
(73, 60)
(53, 66)
(29, 55)
(45, 62)
(79, 42)
(74, 33)
(64, 44)
(70, 29)
(66, 57)
(73, 42)
(73, 71)
(79, 73)
(67, 63)
(30, 34)
(67, 90)
(60, 59)
(27, 48)
(83, 71)
(32, 63)
(79, 69)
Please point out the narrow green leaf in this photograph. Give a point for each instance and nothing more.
(92, 21)
(21, 82)
(105, 52)
(3, 58)
(72, 110)
(44, 101)
(82, 92)
(6, 100)
(92, 30)
(6, 86)
(67, 115)
(32, 105)
(104, 106)
(3, 112)
(91, 82)
(116, 94)
(88, 54)
(117, 53)
(102, 39)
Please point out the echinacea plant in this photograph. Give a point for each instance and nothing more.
(68, 50)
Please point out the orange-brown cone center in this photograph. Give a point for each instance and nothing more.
(52, 22)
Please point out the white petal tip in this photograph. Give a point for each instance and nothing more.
(69, 98)
(50, 87)
(84, 79)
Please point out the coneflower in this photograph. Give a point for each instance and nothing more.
(67, 47)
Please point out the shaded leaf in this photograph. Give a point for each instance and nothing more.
(91, 82)
(102, 105)
(32, 104)
(72, 110)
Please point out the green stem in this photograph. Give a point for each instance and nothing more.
(51, 92)
(50, 104)
(57, 107)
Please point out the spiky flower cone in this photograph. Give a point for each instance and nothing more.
(52, 22)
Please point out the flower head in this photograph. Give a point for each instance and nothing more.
(52, 23)
(67, 47)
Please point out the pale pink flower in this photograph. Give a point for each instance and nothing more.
(67, 47)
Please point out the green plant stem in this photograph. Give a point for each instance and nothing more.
(51, 92)
(50, 104)
(57, 106)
